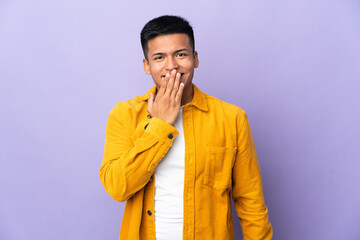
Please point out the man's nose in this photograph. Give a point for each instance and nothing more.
(171, 64)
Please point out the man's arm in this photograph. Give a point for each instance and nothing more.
(128, 165)
(247, 187)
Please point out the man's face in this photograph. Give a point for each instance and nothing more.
(168, 52)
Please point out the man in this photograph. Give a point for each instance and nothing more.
(176, 154)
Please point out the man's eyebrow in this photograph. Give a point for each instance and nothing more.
(177, 51)
(155, 54)
(180, 50)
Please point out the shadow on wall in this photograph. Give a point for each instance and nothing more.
(237, 226)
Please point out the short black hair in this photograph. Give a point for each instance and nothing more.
(164, 25)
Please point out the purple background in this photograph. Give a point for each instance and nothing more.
(294, 66)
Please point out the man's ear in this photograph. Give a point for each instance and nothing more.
(146, 66)
(196, 59)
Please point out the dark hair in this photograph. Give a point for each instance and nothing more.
(164, 25)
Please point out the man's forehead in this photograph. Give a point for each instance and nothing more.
(169, 43)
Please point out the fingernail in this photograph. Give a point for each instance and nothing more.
(178, 75)
(167, 75)
(174, 70)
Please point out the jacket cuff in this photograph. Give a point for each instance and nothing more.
(163, 131)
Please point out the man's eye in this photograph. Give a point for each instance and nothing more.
(181, 55)
(158, 58)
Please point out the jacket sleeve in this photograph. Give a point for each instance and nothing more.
(247, 187)
(129, 161)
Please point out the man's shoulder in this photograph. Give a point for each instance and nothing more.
(132, 107)
(128, 107)
(215, 104)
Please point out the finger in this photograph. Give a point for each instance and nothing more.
(176, 85)
(171, 81)
(163, 87)
(179, 93)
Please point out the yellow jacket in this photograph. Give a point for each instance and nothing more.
(220, 159)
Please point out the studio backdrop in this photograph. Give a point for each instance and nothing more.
(293, 66)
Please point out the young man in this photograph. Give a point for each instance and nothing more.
(176, 154)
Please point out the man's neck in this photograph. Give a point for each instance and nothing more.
(187, 95)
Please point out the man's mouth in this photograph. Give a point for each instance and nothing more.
(180, 74)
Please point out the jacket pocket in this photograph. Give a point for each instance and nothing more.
(218, 167)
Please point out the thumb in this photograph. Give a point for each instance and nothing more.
(150, 102)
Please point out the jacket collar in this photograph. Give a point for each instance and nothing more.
(199, 99)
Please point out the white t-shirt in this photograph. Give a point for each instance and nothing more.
(169, 188)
